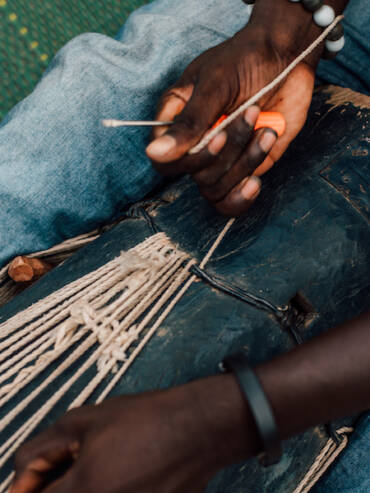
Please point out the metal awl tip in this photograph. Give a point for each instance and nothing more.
(133, 123)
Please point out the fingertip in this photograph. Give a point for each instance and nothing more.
(267, 139)
(241, 198)
(217, 143)
(251, 188)
(251, 115)
(161, 149)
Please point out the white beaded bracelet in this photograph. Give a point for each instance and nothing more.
(323, 15)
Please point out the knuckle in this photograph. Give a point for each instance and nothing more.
(186, 122)
(214, 193)
(205, 179)
(251, 160)
(166, 169)
(239, 139)
(247, 166)
(166, 98)
(256, 154)
(192, 166)
(207, 194)
(232, 206)
(225, 209)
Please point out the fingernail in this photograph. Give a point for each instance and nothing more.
(251, 115)
(160, 147)
(267, 140)
(252, 188)
(217, 143)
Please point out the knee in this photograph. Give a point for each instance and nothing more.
(81, 55)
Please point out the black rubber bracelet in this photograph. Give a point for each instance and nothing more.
(259, 406)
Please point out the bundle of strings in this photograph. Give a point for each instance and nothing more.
(99, 323)
(55, 256)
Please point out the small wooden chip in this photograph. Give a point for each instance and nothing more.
(25, 269)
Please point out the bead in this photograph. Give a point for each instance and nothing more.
(335, 46)
(324, 16)
(312, 5)
(336, 33)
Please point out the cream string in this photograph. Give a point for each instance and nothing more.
(324, 460)
(254, 99)
(59, 305)
(19, 436)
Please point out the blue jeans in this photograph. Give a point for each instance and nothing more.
(62, 173)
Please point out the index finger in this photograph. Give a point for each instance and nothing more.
(171, 105)
(41, 457)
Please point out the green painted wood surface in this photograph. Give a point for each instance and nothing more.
(32, 31)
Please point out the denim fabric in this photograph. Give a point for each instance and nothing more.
(62, 173)
(351, 67)
(351, 473)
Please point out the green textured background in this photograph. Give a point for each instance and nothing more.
(31, 31)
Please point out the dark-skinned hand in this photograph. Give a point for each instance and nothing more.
(173, 441)
(214, 84)
(158, 442)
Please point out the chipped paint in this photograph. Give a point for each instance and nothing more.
(340, 96)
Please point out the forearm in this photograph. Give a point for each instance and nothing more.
(178, 438)
(326, 378)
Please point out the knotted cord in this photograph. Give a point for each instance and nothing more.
(106, 316)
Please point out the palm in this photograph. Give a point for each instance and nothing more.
(223, 171)
(293, 100)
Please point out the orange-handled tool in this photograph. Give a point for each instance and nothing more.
(270, 119)
(266, 119)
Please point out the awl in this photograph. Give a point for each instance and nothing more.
(266, 119)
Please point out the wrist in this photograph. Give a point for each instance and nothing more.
(225, 419)
(288, 28)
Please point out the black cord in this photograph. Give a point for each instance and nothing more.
(137, 211)
(259, 406)
(235, 291)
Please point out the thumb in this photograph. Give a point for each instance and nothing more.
(197, 117)
(38, 459)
